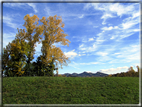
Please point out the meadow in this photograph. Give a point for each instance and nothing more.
(70, 90)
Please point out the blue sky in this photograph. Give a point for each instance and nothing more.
(104, 37)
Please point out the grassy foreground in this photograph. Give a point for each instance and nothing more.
(70, 90)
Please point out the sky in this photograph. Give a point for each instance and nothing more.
(105, 37)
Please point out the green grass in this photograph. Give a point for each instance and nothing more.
(70, 90)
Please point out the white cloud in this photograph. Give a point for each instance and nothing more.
(106, 16)
(91, 48)
(130, 22)
(110, 10)
(120, 34)
(71, 54)
(115, 27)
(102, 53)
(99, 41)
(79, 55)
(116, 53)
(126, 29)
(136, 30)
(114, 70)
(9, 22)
(134, 15)
(130, 53)
(91, 39)
(33, 6)
(121, 9)
(81, 47)
(110, 28)
(127, 25)
(114, 36)
(81, 16)
(85, 48)
(89, 63)
(107, 28)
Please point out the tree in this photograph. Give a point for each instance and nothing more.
(18, 55)
(50, 68)
(131, 71)
(138, 71)
(32, 35)
(14, 57)
(37, 67)
(6, 62)
(53, 33)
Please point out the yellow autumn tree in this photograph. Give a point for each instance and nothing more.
(53, 33)
(16, 57)
(20, 52)
(31, 35)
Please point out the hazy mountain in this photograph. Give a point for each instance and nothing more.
(66, 74)
(86, 74)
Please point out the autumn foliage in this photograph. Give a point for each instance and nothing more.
(18, 55)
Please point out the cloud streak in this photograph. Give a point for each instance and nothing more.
(71, 54)
(33, 6)
(9, 22)
(114, 70)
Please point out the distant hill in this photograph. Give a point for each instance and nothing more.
(86, 74)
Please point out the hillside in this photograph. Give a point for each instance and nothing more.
(86, 74)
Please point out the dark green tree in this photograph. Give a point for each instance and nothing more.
(13, 58)
(40, 69)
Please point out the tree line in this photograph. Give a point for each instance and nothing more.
(130, 73)
(17, 56)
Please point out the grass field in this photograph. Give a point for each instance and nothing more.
(70, 90)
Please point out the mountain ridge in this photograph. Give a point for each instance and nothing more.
(86, 74)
